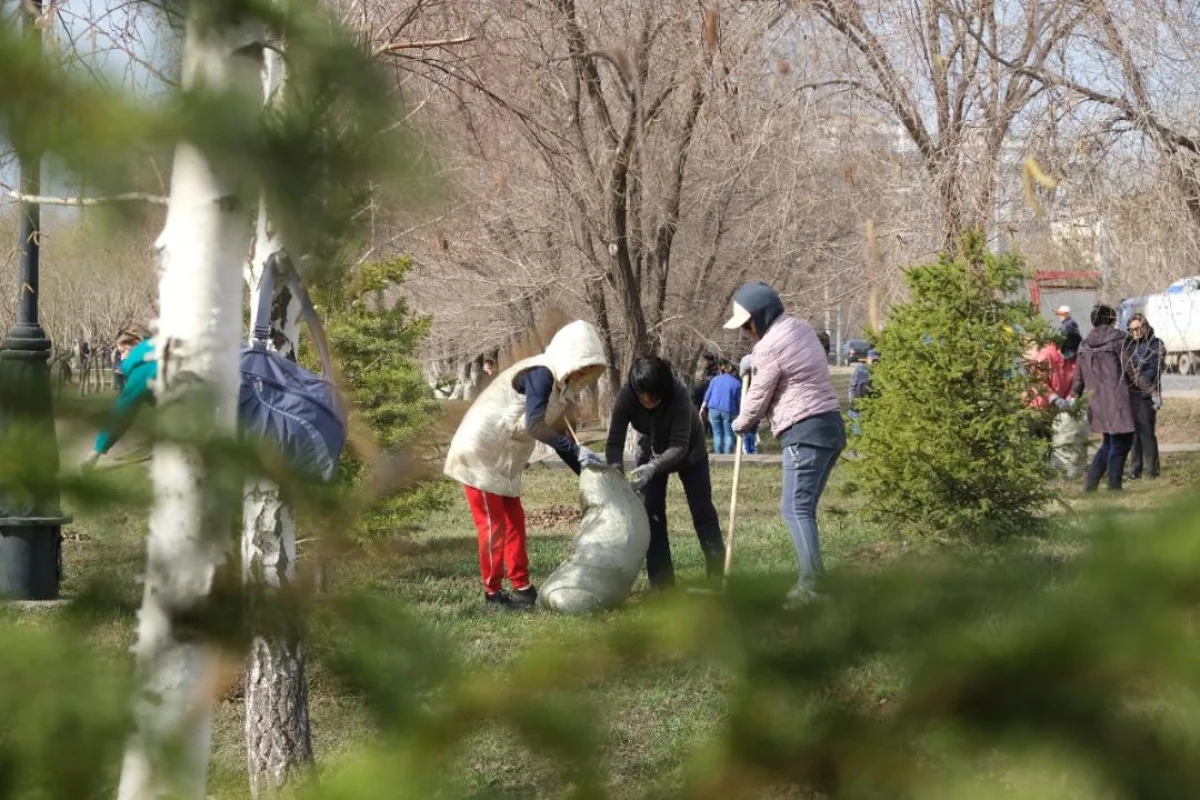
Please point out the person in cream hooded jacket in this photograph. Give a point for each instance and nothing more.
(492, 446)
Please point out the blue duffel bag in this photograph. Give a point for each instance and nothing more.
(283, 403)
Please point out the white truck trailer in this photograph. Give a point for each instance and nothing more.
(1175, 317)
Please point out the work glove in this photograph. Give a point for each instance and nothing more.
(590, 458)
(1063, 403)
(641, 476)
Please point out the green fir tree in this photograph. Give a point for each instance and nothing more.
(374, 337)
(946, 446)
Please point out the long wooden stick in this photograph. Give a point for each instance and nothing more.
(738, 445)
(737, 474)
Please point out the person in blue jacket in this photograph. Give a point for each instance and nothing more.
(140, 368)
(722, 401)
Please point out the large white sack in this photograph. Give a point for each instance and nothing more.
(1069, 445)
(609, 551)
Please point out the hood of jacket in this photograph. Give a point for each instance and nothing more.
(1104, 337)
(491, 447)
(576, 346)
(762, 303)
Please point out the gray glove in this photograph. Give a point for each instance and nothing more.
(590, 458)
(1063, 403)
(641, 476)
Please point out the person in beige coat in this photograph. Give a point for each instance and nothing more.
(492, 446)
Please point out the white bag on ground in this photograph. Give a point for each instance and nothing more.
(1069, 445)
(609, 551)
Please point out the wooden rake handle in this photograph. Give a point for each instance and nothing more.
(738, 442)
(733, 498)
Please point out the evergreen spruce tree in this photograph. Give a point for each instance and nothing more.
(946, 445)
(374, 336)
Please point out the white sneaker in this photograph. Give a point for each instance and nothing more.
(801, 596)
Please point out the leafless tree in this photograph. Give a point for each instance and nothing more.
(630, 162)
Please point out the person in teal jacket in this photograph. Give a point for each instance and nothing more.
(139, 367)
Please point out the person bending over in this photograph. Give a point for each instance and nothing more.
(658, 406)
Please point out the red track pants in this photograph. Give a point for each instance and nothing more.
(500, 523)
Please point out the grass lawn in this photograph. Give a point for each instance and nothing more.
(1179, 421)
(655, 716)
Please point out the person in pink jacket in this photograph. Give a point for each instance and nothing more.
(791, 387)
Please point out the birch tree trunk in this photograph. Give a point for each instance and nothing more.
(278, 739)
(205, 238)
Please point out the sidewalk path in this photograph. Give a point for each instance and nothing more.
(763, 459)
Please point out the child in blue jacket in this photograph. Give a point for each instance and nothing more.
(139, 367)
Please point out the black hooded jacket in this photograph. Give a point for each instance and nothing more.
(1142, 361)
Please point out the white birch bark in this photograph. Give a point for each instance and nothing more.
(278, 738)
(205, 239)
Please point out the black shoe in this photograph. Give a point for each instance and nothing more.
(1134, 476)
(524, 599)
(498, 600)
(714, 566)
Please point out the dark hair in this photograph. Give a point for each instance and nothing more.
(653, 376)
(132, 336)
(491, 361)
(1103, 315)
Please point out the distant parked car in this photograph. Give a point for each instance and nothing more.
(856, 351)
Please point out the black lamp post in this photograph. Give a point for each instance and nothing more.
(30, 516)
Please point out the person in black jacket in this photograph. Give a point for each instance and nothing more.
(670, 439)
(1142, 359)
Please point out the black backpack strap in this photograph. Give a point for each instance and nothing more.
(266, 298)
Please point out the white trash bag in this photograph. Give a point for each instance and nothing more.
(1069, 445)
(609, 551)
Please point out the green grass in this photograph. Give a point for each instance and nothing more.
(656, 715)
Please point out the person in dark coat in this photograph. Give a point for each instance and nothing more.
(670, 440)
(704, 376)
(1069, 333)
(1142, 359)
(1099, 371)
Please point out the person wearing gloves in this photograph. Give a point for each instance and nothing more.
(658, 406)
(492, 446)
(1110, 412)
(139, 368)
(1066, 433)
(1142, 359)
(791, 386)
(1055, 374)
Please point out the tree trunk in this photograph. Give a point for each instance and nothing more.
(278, 738)
(595, 297)
(205, 237)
